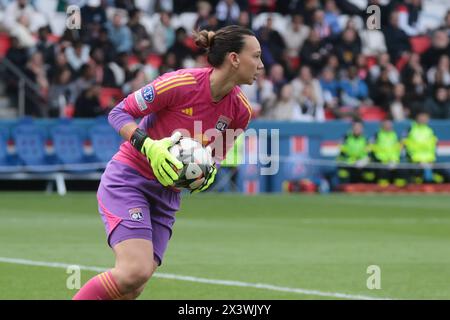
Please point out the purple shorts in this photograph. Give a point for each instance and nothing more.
(134, 207)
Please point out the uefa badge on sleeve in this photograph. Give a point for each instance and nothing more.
(148, 93)
(144, 96)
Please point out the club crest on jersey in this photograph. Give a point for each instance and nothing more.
(223, 123)
(136, 214)
(148, 93)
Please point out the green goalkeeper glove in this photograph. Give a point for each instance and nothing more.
(211, 176)
(157, 151)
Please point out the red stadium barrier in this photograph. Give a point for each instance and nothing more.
(109, 97)
(53, 38)
(371, 61)
(155, 60)
(401, 62)
(294, 62)
(410, 188)
(5, 43)
(372, 113)
(69, 111)
(190, 43)
(420, 44)
(329, 115)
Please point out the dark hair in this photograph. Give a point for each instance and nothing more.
(223, 41)
(422, 112)
(133, 13)
(357, 120)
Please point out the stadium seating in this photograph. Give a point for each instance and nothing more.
(105, 141)
(3, 145)
(6, 161)
(78, 148)
(29, 142)
(50, 151)
(77, 143)
(68, 145)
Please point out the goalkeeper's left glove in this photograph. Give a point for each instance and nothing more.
(163, 163)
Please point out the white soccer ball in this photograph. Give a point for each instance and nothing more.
(197, 162)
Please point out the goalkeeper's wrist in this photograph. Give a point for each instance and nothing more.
(138, 138)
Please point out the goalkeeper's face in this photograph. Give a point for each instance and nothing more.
(249, 64)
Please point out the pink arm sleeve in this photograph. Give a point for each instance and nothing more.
(137, 105)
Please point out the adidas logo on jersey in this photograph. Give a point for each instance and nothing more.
(188, 111)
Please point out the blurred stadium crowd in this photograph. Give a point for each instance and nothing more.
(322, 61)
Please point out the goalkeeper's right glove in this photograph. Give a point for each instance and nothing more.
(210, 175)
(162, 161)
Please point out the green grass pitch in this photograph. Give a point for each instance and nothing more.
(322, 243)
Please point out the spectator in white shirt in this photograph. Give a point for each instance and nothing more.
(384, 62)
(408, 17)
(310, 107)
(304, 78)
(22, 33)
(17, 9)
(77, 55)
(163, 34)
(440, 73)
(397, 107)
(373, 42)
(295, 35)
(227, 12)
(285, 107)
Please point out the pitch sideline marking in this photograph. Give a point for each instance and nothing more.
(201, 280)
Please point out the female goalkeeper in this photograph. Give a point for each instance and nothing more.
(135, 198)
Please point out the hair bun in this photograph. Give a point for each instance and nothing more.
(211, 35)
(204, 39)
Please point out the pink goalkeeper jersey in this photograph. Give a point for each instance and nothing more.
(176, 101)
